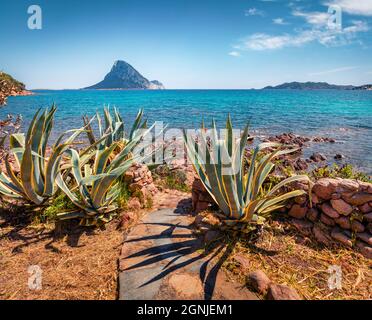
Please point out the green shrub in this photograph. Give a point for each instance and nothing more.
(345, 172)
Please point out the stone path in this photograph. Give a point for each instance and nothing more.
(161, 259)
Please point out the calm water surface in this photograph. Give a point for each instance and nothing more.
(343, 115)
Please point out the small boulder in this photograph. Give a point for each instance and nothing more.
(282, 292)
(259, 281)
(365, 208)
(358, 199)
(327, 220)
(318, 157)
(312, 214)
(343, 222)
(329, 211)
(297, 211)
(341, 207)
(324, 188)
(339, 156)
(346, 185)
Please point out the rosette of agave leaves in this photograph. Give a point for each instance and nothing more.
(89, 177)
(236, 182)
(95, 174)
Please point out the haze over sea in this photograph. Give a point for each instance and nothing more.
(340, 114)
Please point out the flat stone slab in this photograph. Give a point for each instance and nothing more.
(162, 259)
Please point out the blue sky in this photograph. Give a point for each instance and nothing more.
(188, 44)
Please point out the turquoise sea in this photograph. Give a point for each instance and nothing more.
(343, 115)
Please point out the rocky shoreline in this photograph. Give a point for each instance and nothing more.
(10, 87)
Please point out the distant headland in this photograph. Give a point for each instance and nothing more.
(317, 86)
(124, 76)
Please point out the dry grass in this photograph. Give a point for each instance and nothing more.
(76, 262)
(80, 265)
(290, 259)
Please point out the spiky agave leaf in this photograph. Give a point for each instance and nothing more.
(36, 181)
(239, 195)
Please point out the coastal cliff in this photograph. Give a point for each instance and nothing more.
(124, 76)
(11, 87)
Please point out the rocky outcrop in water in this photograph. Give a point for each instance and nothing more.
(124, 76)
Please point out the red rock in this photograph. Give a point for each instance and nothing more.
(370, 189)
(341, 237)
(297, 211)
(327, 220)
(347, 185)
(312, 214)
(282, 292)
(365, 208)
(342, 207)
(259, 281)
(343, 222)
(366, 237)
(356, 226)
(358, 199)
(329, 211)
(364, 249)
(324, 188)
(321, 235)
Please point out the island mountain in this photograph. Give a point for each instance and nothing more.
(124, 76)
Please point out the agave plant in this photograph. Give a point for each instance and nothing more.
(95, 188)
(114, 125)
(238, 192)
(36, 179)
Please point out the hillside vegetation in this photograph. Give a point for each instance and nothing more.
(9, 86)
